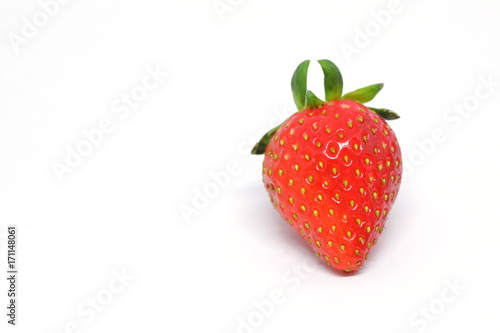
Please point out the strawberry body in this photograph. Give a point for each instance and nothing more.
(333, 174)
(333, 169)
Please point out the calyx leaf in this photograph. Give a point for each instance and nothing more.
(365, 94)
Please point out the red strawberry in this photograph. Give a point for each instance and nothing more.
(333, 169)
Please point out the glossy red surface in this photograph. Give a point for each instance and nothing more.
(333, 174)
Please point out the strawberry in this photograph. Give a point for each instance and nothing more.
(333, 169)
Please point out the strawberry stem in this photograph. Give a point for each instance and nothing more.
(333, 80)
(385, 113)
(313, 102)
(299, 85)
(365, 94)
(260, 147)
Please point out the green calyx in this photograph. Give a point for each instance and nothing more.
(306, 99)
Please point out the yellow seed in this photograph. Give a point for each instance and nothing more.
(367, 161)
(373, 131)
(361, 240)
(337, 196)
(270, 171)
(315, 126)
(368, 229)
(356, 146)
(291, 182)
(320, 229)
(333, 228)
(384, 181)
(325, 183)
(385, 132)
(377, 212)
(318, 144)
(318, 244)
(334, 171)
(296, 167)
(342, 247)
(286, 157)
(291, 200)
(345, 183)
(320, 197)
(295, 147)
(386, 197)
(279, 190)
(360, 119)
(310, 178)
(292, 131)
(349, 123)
(295, 216)
(380, 167)
(306, 137)
(375, 196)
(330, 243)
(320, 164)
(341, 135)
(337, 115)
(375, 150)
(336, 260)
(356, 252)
(348, 234)
(352, 203)
(280, 172)
(316, 213)
(376, 120)
(328, 130)
(388, 163)
(275, 156)
(361, 190)
(307, 225)
(282, 142)
(301, 121)
(303, 208)
(357, 172)
(306, 157)
(346, 159)
(303, 190)
(392, 149)
(358, 221)
(331, 212)
(364, 138)
(327, 258)
(302, 232)
(366, 209)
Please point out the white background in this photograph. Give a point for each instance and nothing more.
(118, 210)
